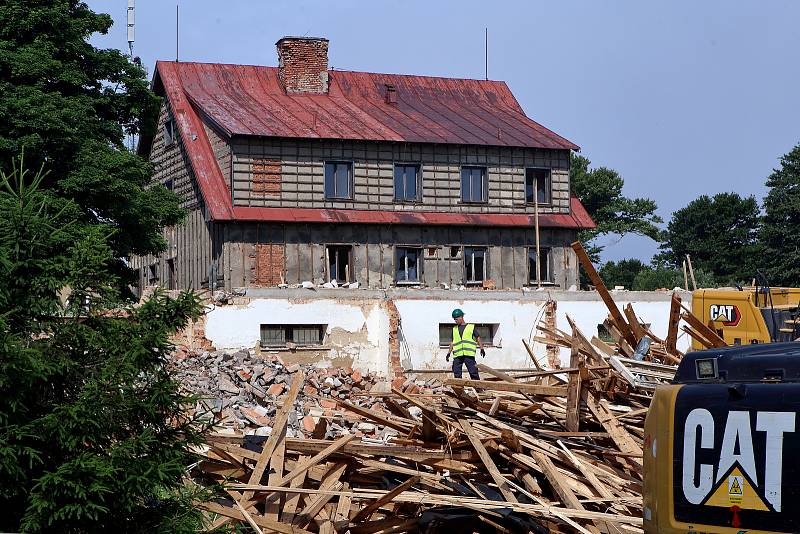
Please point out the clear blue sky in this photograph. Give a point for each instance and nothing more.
(683, 98)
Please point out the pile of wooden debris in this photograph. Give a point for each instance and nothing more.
(556, 450)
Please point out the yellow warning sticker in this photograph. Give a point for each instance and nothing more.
(735, 489)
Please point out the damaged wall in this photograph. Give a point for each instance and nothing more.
(360, 331)
(261, 254)
(356, 331)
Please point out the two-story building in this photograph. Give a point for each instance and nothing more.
(301, 173)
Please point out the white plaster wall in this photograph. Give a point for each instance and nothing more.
(238, 326)
(517, 320)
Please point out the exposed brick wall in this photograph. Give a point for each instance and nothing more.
(395, 367)
(269, 264)
(267, 177)
(303, 63)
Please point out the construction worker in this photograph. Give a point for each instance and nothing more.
(463, 347)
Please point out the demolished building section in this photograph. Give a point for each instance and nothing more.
(299, 173)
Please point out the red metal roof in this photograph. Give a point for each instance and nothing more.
(578, 218)
(248, 100)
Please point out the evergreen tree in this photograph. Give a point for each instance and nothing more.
(620, 273)
(93, 436)
(779, 236)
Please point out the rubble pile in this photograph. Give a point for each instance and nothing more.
(240, 392)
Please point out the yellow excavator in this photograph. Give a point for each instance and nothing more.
(721, 438)
(750, 315)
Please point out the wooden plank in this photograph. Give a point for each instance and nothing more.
(278, 430)
(342, 516)
(601, 488)
(276, 473)
(554, 477)
(487, 460)
(574, 387)
(400, 426)
(712, 337)
(261, 521)
(633, 321)
(293, 499)
(364, 514)
(600, 286)
(329, 482)
(532, 355)
(618, 433)
(518, 387)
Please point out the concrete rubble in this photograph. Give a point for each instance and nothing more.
(240, 392)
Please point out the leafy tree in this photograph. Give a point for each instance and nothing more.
(663, 277)
(93, 435)
(71, 105)
(779, 235)
(621, 273)
(600, 191)
(719, 233)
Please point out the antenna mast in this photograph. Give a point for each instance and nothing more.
(177, 29)
(486, 52)
(130, 25)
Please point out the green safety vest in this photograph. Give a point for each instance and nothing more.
(466, 346)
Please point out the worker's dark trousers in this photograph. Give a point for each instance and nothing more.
(472, 367)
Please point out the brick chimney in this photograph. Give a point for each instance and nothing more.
(303, 64)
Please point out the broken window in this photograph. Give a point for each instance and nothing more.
(474, 264)
(340, 263)
(152, 274)
(406, 183)
(545, 272)
(485, 330)
(455, 253)
(473, 184)
(338, 179)
(169, 184)
(169, 132)
(171, 282)
(537, 180)
(408, 265)
(278, 335)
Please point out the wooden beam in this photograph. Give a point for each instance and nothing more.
(554, 477)
(600, 286)
(277, 435)
(487, 460)
(261, 521)
(574, 387)
(713, 338)
(518, 387)
(364, 514)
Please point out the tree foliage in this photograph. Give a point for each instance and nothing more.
(620, 273)
(71, 105)
(600, 191)
(719, 233)
(93, 435)
(780, 239)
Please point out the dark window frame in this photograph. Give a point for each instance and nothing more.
(484, 185)
(350, 179)
(446, 333)
(293, 333)
(350, 275)
(170, 274)
(417, 199)
(152, 274)
(547, 274)
(548, 188)
(465, 255)
(169, 132)
(420, 264)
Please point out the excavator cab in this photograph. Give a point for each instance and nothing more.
(721, 443)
